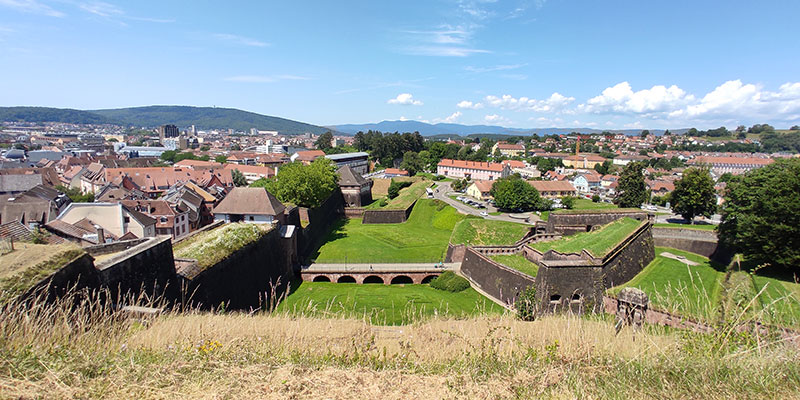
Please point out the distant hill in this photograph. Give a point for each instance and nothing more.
(454, 130)
(47, 114)
(152, 116)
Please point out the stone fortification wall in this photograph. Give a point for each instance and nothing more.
(147, 267)
(494, 279)
(354, 212)
(245, 280)
(455, 253)
(387, 216)
(114, 247)
(319, 220)
(564, 287)
(77, 274)
(630, 257)
(569, 223)
(695, 241)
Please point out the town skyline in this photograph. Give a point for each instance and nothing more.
(523, 64)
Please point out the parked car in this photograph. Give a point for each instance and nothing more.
(484, 214)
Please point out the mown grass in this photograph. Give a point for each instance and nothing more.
(422, 238)
(703, 227)
(587, 204)
(384, 304)
(63, 351)
(598, 242)
(673, 286)
(407, 196)
(479, 231)
(213, 246)
(517, 262)
(780, 300)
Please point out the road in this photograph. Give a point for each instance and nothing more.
(443, 192)
(675, 218)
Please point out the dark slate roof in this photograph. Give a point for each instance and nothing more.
(348, 177)
(246, 200)
(19, 182)
(143, 218)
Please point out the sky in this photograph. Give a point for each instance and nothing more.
(520, 63)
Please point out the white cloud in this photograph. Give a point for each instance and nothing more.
(240, 40)
(496, 119)
(444, 51)
(101, 8)
(264, 78)
(479, 70)
(735, 100)
(406, 99)
(32, 7)
(450, 119)
(620, 98)
(468, 104)
(445, 41)
(554, 103)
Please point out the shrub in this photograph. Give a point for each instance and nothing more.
(596, 198)
(568, 202)
(395, 186)
(438, 177)
(450, 282)
(526, 304)
(383, 203)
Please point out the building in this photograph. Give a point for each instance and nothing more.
(168, 131)
(733, 165)
(586, 161)
(356, 190)
(394, 172)
(358, 161)
(114, 218)
(474, 170)
(660, 187)
(307, 156)
(586, 182)
(170, 220)
(480, 190)
(251, 205)
(528, 172)
(554, 189)
(508, 150)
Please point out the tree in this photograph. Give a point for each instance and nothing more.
(645, 133)
(603, 168)
(221, 159)
(667, 133)
(514, 193)
(631, 190)
(303, 185)
(238, 178)
(205, 147)
(761, 215)
(169, 155)
(568, 202)
(75, 194)
(412, 163)
(795, 128)
(324, 141)
(694, 194)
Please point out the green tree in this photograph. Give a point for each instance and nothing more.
(694, 194)
(514, 193)
(303, 185)
(644, 133)
(761, 215)
(603, 168)
(631, 190)
(324, 141)
(75, 194)
(205, 147)
(568, 202)
(238, 178)
(412, 163)
(221, 159)
(169, 155)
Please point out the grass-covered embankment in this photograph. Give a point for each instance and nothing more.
(213, 246)
(422, 238)
(483, 232)
(598, 242)
(384, 304)
(29, 264)
(517, 262)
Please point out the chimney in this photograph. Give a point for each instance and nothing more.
(101, 237)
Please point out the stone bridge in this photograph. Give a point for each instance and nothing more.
(375, 273)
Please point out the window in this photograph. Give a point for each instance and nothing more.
(163, 219)
(126, 219)
(252, 218)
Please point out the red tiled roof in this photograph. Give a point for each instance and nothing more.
(552, 186)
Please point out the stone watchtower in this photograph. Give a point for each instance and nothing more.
(356, 190)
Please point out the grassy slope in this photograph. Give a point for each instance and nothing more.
(211, 247)
(673, 286)
(474, 231)
(406, 197)
(686, 226)
(586, 204)
(780, 300)
(423, 238)
(597, 242)
(517, 262)
(383, 304)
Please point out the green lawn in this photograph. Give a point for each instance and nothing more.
(478, 231)
(408, 195)
(686, 226)
(384, 304)
(673, 286)
(779, 303)
(423, 238)
(598, 242)
(586, 204)
(517, 262)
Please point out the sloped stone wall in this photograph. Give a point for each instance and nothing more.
(496, 280)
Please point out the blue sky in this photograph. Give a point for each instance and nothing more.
(538, 63)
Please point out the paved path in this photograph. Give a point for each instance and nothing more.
(445, 191)
(380, 268)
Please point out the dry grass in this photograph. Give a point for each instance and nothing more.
(380, 186)
(26, 255)
(61, 352)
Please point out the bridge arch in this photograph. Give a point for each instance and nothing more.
(321, 278)
(373, 279)
(429, 278)
(346, 279)
(401, 279)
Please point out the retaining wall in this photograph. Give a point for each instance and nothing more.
(148, 267)
(695, 241)
(387, 216)
(494, 279)
(79, 273)
(246, 280)
(319, 220)
(571, 223)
